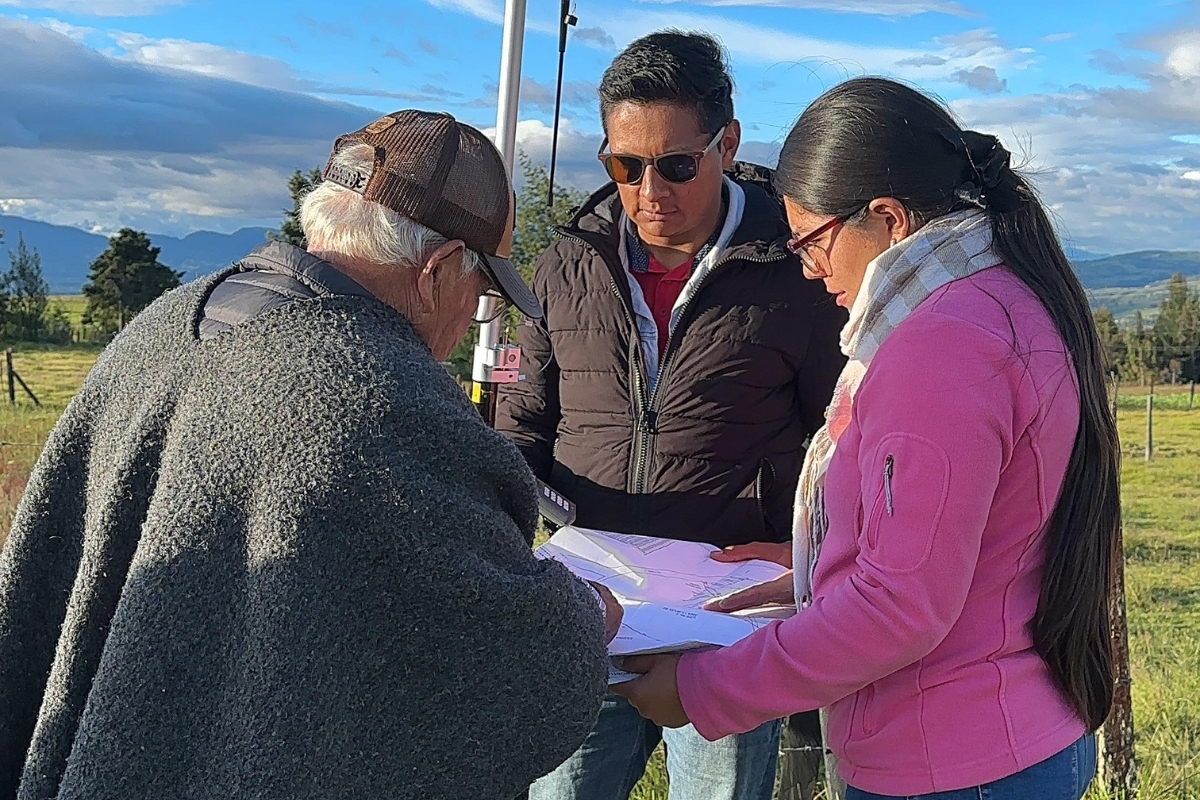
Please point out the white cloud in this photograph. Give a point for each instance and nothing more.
(1108, 162)
(113, 190)
(884, 8)
(577, 164)
(486, 10)
(96, 8)
(206, 59)
(215, 61)
(1183, 59)
(756, 44)
(166, 150)
(76, 32)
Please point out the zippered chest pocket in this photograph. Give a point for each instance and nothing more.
(908, 478)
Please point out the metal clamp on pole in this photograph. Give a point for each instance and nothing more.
(494, 363)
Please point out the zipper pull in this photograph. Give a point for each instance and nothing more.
(888, 467)
(650, 422)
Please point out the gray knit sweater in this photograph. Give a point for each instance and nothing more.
(288, 562)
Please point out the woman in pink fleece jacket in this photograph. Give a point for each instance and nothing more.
(963, 495)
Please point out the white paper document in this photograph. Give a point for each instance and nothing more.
(662, 584)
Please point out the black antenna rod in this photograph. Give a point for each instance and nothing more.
(566, 19)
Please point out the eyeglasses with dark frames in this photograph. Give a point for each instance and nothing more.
(800, 246)
(673, 167)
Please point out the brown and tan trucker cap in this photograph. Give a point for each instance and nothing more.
(447, 176)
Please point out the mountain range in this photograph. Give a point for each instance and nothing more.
(67, 252)
(1124, 283)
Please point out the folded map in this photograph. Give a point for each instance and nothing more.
(662, 585)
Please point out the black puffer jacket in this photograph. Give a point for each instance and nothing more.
(714, 452)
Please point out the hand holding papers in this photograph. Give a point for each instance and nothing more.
(776, 592)
(663, 584)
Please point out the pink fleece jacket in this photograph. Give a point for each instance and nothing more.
(918, 638)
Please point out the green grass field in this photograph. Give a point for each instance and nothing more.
(72, 304)
(1162, 542)
(54, 373)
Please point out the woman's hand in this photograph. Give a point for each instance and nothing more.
(775, 552)
(655, 695)
(780, 590)
(613, 613)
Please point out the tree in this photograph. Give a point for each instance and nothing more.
(535, 221)
(26, 293)
(1112, 340)
(124, 279)
(300, 184)
(1176, 331)
(533, 234)
(3, 300)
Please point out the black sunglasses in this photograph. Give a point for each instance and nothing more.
(673, 167)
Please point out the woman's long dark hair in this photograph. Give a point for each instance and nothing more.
(869, 138)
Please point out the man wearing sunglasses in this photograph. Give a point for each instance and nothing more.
(683, 362)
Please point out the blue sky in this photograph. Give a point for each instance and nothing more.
(177, 115)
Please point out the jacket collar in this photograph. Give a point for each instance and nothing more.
(315, 273)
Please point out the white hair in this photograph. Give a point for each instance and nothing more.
(338, 220)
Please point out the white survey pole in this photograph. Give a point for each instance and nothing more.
(510, 81)
(493, 363)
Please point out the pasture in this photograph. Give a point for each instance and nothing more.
(1162, 544)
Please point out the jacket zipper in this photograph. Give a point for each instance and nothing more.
(889, 466)
(640, 398)
(646, 407)
(664, 367)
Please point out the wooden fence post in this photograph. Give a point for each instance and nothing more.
(1118, 767)
(8, 373)
(13, 379)
(1191, 395)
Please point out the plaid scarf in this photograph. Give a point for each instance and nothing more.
(947, 249)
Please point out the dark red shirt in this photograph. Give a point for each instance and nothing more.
(661, 287)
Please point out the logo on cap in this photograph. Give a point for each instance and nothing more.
(350, 178)
(380, 125)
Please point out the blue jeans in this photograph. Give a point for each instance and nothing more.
(613, 757)
(1064, 776)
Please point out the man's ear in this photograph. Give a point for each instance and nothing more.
(432, 271)
(730, 141)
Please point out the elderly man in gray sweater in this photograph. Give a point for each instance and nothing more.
(271, 550)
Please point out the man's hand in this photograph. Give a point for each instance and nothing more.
(655, 695)
(779, 590)
(613, 613)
